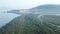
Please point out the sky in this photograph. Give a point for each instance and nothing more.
(25, 4)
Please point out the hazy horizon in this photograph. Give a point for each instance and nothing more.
(24, 4)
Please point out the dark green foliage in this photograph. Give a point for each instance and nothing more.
(30, 24)
(52, 22)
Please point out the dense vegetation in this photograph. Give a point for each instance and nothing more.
(52, 22)
(31, 24)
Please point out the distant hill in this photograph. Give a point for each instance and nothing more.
(19, 11)
(47, 6)
(14, 11)
(32, 24)
(42, 9)
(46, 9)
